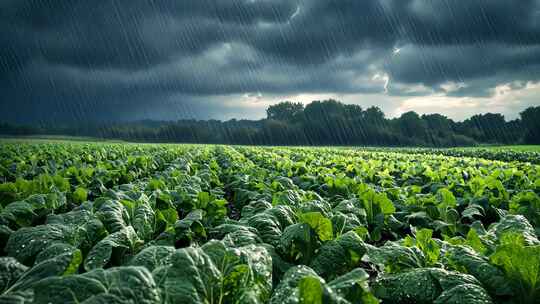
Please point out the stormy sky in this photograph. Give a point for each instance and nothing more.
(107, 60)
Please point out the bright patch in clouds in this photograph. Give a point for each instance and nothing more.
(384, 78)
(506, 100)
(452, 86)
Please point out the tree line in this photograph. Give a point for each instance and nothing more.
(327, 122)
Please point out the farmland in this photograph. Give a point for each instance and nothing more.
(127, 223)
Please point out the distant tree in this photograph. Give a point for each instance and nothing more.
(353, 111)
(285, 111)
(324, 110)
(438, 123)
(439, 130)
(530, 120)
(327, 122)
(515, 132)
(489, 128)
(374, 115)
(412, 125)
(11, 129)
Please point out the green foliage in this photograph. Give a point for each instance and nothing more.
(10, 271)
(298, 243)
(216, 274)
(190, 228)
(521, 264)
(80, 195)
(25, 243)
(104, 223)
(321, 225)
(117, 285)
(425, 243)
(462, 258)
(322, 123)
(527, 203)
(338, 256)
(310, 290)
(62, 265)
(112, 249)
(429, 285)
(302, 285)
(392, 257)
(378, 208)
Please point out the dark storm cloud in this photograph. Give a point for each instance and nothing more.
(464, 40)
(471, 22)
(432, 65)
(130, 34)
(120, 59)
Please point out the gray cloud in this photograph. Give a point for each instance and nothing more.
(486, 64)
(120, 59)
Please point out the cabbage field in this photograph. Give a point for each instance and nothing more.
(149, 223)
